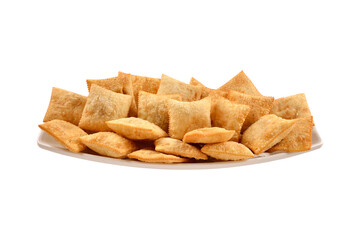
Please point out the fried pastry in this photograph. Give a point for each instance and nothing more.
(291, 107)
(240, 83)
(114, 84)
(260, 106)
(266, 132)
(228, 115)
(136, 129)
(227, 151)
(65, 105)
(187, 116)
(299, 139)
(147, 155)
(153, 108)
(109, 144)
(103, 105)
(179, 148)
(208, 135)
(205, 91)
(170, 85)
(129, 90)
(66, 133)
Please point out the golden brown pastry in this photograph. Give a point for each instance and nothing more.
(109, 144)
(177, 147)
(103, 105)
(266, 132)
(299, 139)
(136, 129)
(147, 155)
(227, 151)
(260, 106)
(65, 105)
(240, 83)
(170, 85)
(208, 135)
(187, 116)
(65, 133)
(153, 108)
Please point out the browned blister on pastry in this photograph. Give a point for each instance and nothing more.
(227, 151)
(65, 105)
(114, 84)
(187, 116)
(266, 132)
(136, 129)
(291, 107)
(299, 139)
(147, 155)
(170, 85)
(208, 135)
(66, 133)
(153, 108)
(179, 148)
(109, 144)
(240, 83)
(103, 105)
(228, 115)
(260, 106)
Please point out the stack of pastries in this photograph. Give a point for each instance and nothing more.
(164, 120)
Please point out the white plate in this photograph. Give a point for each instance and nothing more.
(47, 142)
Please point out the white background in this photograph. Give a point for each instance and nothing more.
(285, 47)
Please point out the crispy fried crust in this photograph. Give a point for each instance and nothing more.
(260, 106)
(153, 108)
(170, 85)
(228, 115)
(266, 132)
(65, 105)
(299, 139)
(227, 151)
(240, 83)
(109, 144)
(114, 84)
(208, 135)
(147, 155)
(187, 116)
(103, 105)
(178, 147)
(291, 107)
(136, 129)
(66, 133)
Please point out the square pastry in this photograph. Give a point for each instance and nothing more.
(65, 105)
(228, 115)
(170, 85)
(103, 105)
(65, 133)
(109, 144)
(260, 106)
(266, 132)
(240, 83)
(187, 116)
(153, 108)
(291, 107)
(299, 139)
(114, 84)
